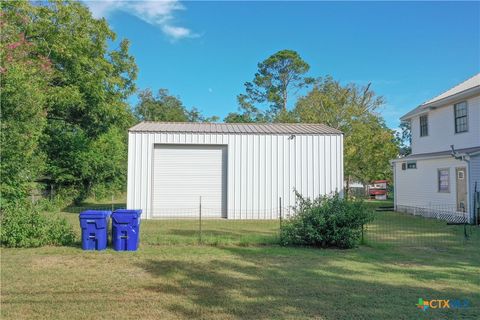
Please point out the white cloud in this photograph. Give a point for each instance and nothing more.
(176, 32)
(157, 13)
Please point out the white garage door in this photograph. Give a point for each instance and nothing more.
(184, 173)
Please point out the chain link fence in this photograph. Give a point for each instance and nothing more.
(205, 225)
(433, 226)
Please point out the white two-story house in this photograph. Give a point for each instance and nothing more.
(434, 181)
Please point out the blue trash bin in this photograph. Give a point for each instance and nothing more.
(125, 229)
(94, 226)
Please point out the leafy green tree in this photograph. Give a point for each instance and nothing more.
(108, 162)
(194, 115)
(404, 138)
(234, 117)
(248, 113)
(278, 76)
(24, 78)
(369, 149)
(165, 107)
(87, 90)
(368, 143)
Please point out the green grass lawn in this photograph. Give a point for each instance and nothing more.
(239, 273)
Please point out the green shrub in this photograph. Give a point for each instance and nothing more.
(63, 197)
(325, 222)
(22, 225)
(106, 191)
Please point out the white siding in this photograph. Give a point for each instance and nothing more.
(260, 170)
(474, 177)
(475, 172)
(441, 129)
(419, 187)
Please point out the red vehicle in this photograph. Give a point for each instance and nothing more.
(378, 190)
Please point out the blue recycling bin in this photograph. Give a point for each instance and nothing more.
(125, 229)
(94, 224)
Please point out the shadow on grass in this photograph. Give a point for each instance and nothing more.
(302, 284)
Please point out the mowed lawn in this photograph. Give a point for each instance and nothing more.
(239, 273)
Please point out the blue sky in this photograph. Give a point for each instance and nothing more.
(203, 52)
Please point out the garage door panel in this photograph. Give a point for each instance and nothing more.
(184, 173)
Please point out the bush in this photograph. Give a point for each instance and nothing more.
(106, 191)
(63, 197)
(22, 225)
(325, 222)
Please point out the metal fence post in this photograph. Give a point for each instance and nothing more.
(280, 208)
(200, 221)
(362, 241)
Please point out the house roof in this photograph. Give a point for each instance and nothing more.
(469, 151)
(465, 89)
(233, 128)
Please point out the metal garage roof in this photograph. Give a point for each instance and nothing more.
(242, 128)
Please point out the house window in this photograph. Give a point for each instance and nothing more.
(412, 165)
(461, 117)
(424, 126)
(443, 180)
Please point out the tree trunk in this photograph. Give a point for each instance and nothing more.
(347, 190)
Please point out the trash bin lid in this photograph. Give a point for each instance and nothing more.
(94, 214)
(136, 212)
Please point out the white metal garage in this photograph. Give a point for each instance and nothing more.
(239, 170)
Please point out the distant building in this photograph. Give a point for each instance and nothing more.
(240, 170)
(431, 181)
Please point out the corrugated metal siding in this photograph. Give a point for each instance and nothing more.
(261, 168)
